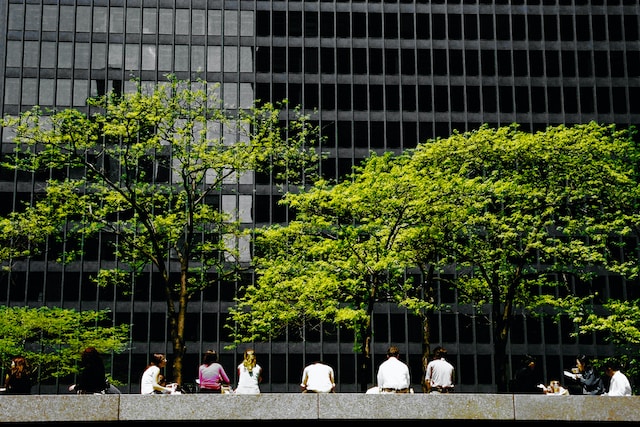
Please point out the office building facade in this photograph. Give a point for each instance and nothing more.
(382, 75)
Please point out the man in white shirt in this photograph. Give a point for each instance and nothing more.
(393, 375)
(440, 374)
(619, 384)
(318, 378)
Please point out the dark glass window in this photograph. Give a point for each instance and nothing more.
(375, 25)
(455, 26)
(456, 63)
(470, 27)
(406, 26)
(486, 27)
(310, 24)
(566, 27)
(295, 23)
(422, 26)
(439, 27)
(503, 27)
(326, 24)
(343, 25)
(487, 60)
(550, 27)
(471, 62)
(359, 24)
(534, 27)
(359, 61)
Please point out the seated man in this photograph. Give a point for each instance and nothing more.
(393, 375)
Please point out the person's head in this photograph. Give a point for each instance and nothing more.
(611, 366)
(158, 359)
(439, 353)
(528, 361)
(393, 351)
(90, 356)
(210, 356)
(19, 365)
(583, 363)
(249, 359)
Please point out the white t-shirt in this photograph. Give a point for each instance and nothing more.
(149, 379)
(440, 373)
(318, 377)
(619, 385)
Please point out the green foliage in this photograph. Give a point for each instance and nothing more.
(52, 339)
(147, 170)
(519, 217)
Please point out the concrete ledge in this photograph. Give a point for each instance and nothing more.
(456, 406)
(196, 407)
(318, 408)
(60, 408)
(577, 408)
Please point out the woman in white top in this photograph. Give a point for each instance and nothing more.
(249, 374)
(150, 381)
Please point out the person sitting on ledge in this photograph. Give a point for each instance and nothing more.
(393, 374)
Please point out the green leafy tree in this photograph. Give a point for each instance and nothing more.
(146, 169)
(52, 339)
(501, 215)
(534, 213)
(343, 253)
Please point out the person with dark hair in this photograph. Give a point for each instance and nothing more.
(619, 384)
(150, 381)
(440, 375)
(527, 378)
(393, 374)
(92, 378)
(586, 376)
(211, 374)
(18, 379)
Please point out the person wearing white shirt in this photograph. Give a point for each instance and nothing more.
(440, 374)
(149, 383)
(393, 375)
(619, 384)
(318, 378)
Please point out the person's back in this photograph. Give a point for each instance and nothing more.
(440, 373)
(249, 374)
(211, 374)
(18, 380)
(92, 375)
(619, 384)
(318, 378)
(393, 374)
(526, 378)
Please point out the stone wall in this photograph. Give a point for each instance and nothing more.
(230, 408)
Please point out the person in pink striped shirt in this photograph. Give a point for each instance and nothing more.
(211, 374)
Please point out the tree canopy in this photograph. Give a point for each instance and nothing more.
(156, 172)
(506, 218)
(52, 339)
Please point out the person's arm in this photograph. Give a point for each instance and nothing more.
(305, 378)
(427, 377)
(224, 376)
(157, 386)
(331, 378)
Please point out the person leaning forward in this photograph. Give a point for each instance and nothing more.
(393, 375)
(440, 374)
